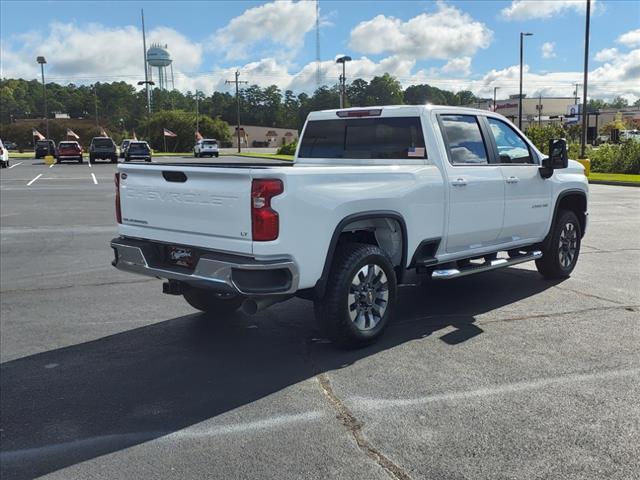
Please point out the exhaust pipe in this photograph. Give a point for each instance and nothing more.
(251, 306)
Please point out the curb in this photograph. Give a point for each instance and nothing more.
(616, 184)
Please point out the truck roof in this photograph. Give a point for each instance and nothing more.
(396, 111)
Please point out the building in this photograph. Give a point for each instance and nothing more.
(255, 136)
(552, 109)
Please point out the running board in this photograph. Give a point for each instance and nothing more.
(447, 273)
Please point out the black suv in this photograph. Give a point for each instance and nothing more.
(138, 151)
(103, 148)
(44, 148)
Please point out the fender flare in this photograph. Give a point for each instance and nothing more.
(321, 284)
(561, 195)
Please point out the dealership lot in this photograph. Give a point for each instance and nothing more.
(502, 375)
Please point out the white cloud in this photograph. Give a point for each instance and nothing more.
(444, 34)
(93, 52)
(548, 49)
(461, 64)
(282, 22)
(606, 55)
(630, 39)
(530, 9)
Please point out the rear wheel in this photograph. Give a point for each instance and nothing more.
(80, 160)
(560, 257)
(360, 296)
(212, 302)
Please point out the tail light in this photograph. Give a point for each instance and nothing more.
(264, 220)
(118, 211)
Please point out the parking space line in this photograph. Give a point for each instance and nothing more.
(51, 166)
(28, 184)
(15, 165)
(95, 180)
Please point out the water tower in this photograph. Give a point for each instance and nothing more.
(158, 57)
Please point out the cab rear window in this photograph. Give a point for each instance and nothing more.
(368, 138)
(103, 142)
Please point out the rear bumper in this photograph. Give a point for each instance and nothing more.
(215, 271)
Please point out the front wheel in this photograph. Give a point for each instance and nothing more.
(560, 257)
(360, 296)
(212, 302)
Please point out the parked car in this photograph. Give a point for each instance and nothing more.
(138, 151)
(374, 194)
(69, 150)
(44, 148)
(103, 148)
(207, 147)
(123, 146)
(4, 156)
(10, 145)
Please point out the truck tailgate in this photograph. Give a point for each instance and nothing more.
(187, 205)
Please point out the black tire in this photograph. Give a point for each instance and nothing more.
(560, 257)
(114, 159)
(212, 302)
(80, 160)
(217, 155)
(333, 312)
(92, 158)
(147, 159)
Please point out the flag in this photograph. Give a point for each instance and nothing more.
(198, 136)
(169, 133)
(36, 133)
(71, 133)
(103, 133)
(133, 134)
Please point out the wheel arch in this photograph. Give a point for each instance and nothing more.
(359, 227)
(574, 200)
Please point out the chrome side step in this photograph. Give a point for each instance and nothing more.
(448, 273)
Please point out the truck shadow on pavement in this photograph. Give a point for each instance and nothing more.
(69, 405)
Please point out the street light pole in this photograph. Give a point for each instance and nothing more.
(522, 35)
(147, 83)
(585, 117)
(343, 78)
(495, 89)
(41, 60)
(197, 111)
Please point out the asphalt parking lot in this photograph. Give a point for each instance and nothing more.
(498, 376)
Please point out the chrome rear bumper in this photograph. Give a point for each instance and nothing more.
(213, 270)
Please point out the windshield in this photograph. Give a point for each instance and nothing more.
(42, 143)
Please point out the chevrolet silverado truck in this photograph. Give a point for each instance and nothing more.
(373, 197)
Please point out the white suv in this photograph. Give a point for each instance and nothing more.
(206, 147)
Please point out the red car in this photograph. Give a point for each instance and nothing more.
(69, 151)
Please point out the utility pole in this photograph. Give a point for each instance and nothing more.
(495, 89)
(585, 117)
(146, 73)
(237, 82)
(522, 35)
(41, 60)
(95, 100)
(197, 111)
(540, 110)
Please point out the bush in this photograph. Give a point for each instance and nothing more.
(288, 149)
(621, 158)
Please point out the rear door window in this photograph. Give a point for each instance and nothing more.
(464, 139)
(367, 138)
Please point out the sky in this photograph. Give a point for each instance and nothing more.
(456, 45)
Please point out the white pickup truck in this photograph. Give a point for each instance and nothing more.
(373, 193)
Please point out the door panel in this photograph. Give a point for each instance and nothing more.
(527, 203)
(476, 209)
(476, 189)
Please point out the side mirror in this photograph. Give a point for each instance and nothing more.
(558, 155)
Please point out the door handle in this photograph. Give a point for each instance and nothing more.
(513, 179)
(459, 182)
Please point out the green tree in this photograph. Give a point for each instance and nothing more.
(384, 90)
